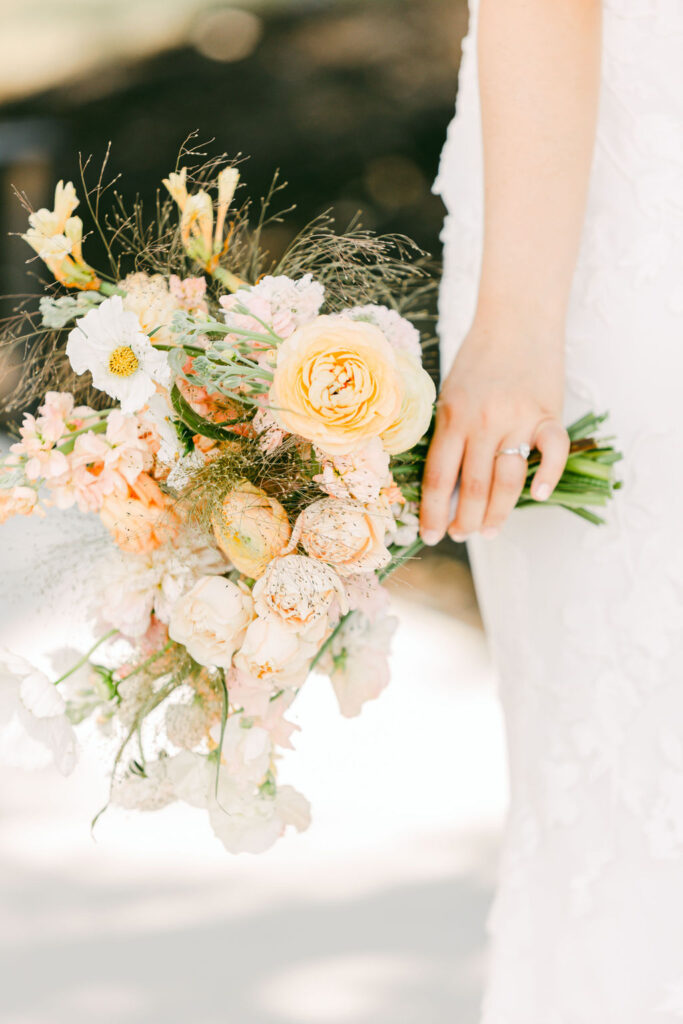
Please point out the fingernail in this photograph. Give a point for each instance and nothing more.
(542, 492)
(490, 532)
(459, 538)
(430, 537)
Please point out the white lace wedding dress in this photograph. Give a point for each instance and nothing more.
(586, 623)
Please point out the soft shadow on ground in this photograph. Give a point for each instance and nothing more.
(403, 955)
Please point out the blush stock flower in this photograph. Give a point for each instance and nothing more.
(141, 519)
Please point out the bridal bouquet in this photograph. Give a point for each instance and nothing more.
(252, 438)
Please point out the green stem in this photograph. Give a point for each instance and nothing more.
(86, 656)
(95, 428)
(192, 350)
(106, 288)
(231, 281)
(148, 661)
(396, 562)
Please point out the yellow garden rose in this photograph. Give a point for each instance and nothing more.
(251, 529)
(416, 409)
(337, 383)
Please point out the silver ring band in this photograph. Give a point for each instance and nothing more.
(523, 450)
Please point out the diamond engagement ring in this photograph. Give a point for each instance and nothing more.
(523, 450)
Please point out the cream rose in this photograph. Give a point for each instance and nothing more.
(298, 592)
(251, 528)
(348, 535)
(211, 620)
(273, 652)
(415, 415)
(337, 383)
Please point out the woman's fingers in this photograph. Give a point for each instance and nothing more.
(440, 474)
(552, 440)
(509, 475)
(475, 487)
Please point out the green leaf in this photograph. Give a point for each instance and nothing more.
(196, 423)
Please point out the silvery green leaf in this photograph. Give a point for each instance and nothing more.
(57, 313)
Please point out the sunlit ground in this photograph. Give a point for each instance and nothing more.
(374, 916)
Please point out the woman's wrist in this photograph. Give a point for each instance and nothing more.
(500, 321)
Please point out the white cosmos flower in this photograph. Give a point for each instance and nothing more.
(250, 820)
(110, 342)
(33, 724)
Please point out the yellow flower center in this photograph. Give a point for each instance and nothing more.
(123, 362)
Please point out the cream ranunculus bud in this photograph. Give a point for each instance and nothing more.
(251, 528)
(298, 592)
(348, 535)
(149, 297)
(416, 409)
(211, 620)
(272, 651)
(337, 383)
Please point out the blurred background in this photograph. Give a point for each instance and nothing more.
(377, 914)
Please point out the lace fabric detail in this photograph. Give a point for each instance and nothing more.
(586, 625)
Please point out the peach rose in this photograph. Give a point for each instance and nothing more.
(251, 529)
(337, 383)
(348, 535)
(298, 591)
(419, 395)
(273, 653)
(140, 521)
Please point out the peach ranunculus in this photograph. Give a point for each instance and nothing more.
(360, 475)
(210, 620)
(337, 383)
(251, 528)
(417, 407)
(298, 591)
(141, 520)
(348, 535)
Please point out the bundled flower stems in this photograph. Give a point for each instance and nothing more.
(252, 437)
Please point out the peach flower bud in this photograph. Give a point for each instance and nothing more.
(417, 407)
(140, 521)
(251, 529)
(337, 383)
(348, 535)
(298, 591)
(210, 620)
(18, 501)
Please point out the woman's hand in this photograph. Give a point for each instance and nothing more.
(505, 389)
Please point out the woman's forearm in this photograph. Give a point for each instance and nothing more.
(539, 73)
(539, 68)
